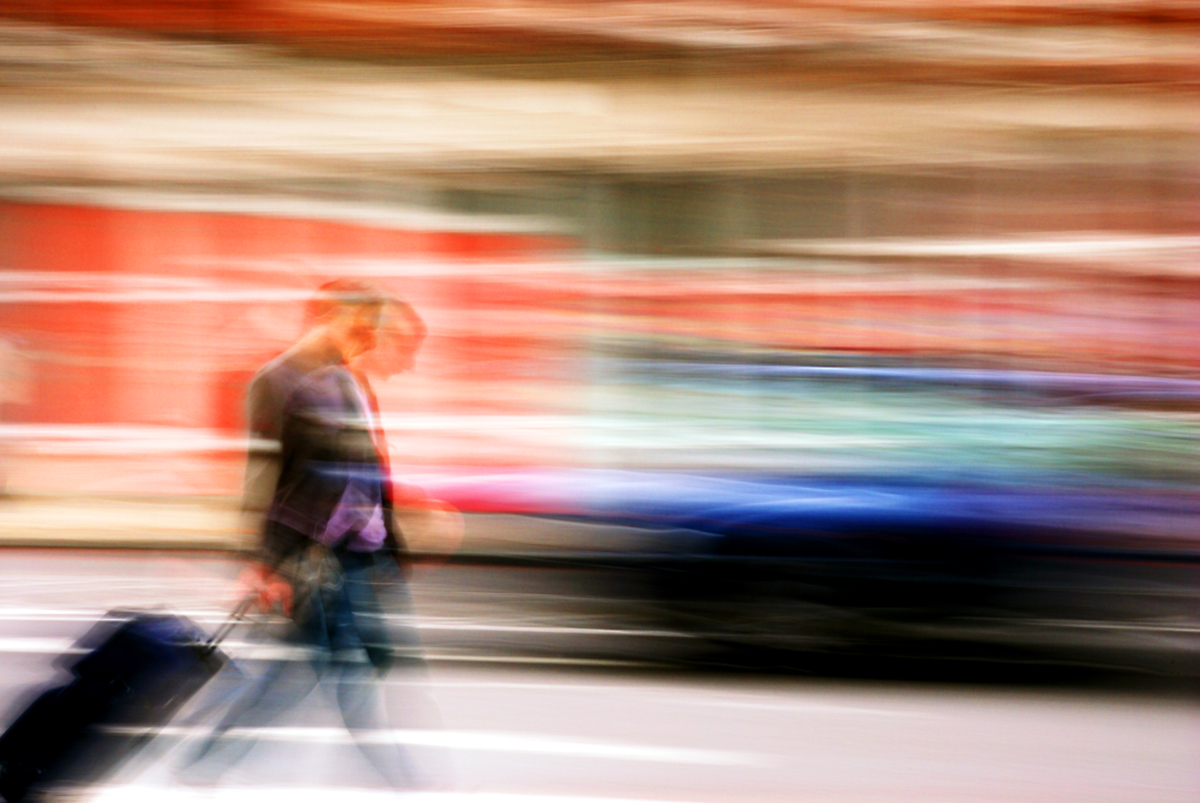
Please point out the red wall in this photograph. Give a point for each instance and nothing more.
(131, 320)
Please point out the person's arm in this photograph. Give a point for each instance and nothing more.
(264, 413)
(264, 461)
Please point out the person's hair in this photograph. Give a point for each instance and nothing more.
(343, 293)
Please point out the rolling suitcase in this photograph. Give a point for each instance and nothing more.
(135, 672)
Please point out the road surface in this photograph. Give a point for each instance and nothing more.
(504, 730)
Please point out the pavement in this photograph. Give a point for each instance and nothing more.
(49, 520)
(494, 721)
(214, 523)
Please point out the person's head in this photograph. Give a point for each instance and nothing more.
(401, 334)
(348, 312)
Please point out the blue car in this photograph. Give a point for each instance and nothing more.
(1027, 570)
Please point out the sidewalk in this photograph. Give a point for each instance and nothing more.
(120, 523)
(213, 523)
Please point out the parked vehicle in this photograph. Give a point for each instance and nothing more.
(889, 566)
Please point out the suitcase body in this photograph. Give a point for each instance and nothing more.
(136, 671)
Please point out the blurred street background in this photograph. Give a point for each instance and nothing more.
(818, 382)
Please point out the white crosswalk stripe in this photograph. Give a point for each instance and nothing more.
(257, 794)
(493, 741)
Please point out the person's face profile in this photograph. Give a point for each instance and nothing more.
(365, 330)
(398, 344)
(355, 330)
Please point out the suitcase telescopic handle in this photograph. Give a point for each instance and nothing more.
(231, 621)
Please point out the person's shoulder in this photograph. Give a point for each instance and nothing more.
(285, 369)
(327, 372)
(321, 384)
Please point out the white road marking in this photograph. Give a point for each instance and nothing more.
(267, 651)
(490, 741)
(211, 617)
(298, 794)
(277, 652)
(548, 629)
(37, 645)
(750, 703)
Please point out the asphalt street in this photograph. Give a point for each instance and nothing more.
(498, 727)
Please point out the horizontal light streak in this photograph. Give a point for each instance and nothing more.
(388, 216)
(582, 430)
(490, 741)
(342, 794)
(1058, 247)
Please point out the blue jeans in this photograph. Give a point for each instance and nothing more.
(341, 631)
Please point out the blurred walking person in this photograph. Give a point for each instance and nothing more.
(317, 484)
(430, 527)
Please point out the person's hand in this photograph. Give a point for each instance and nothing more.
(268, 588)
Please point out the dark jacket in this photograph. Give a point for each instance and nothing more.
(310, 441)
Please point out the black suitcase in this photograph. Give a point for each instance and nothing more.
(135, 672)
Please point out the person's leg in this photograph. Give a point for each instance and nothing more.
(284, 685)
(363, 654)
(401, 634)
(360, 699)
(407, 700)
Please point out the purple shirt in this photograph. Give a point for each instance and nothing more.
(307, 417)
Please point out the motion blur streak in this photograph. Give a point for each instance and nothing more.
(136, 794)
(831, 338)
